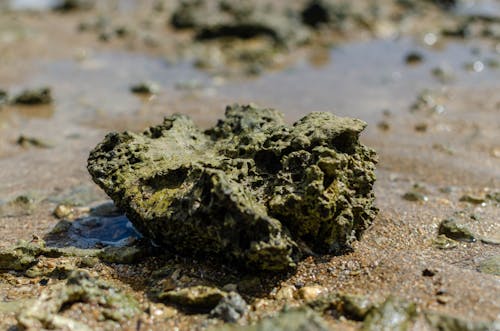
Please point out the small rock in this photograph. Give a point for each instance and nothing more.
(451, 229)
(63, 211)
(490, 265)
(310, 293)
(25, 141)
(421, 127)
(393, 314)
(490, 240)
(145, 88)
(167, 284)
(355, 307)
(231, 308)
(122, 255)
(413, 58)
(427, 272)
(22, 205)
(46, 311)
(16, 259)
(495, 152)
(443, 242)
(415, 196)
(286, 293)
(38, 96)
(472, 199)
(198, 297)
(71, 5)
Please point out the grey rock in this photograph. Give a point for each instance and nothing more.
(231, 308)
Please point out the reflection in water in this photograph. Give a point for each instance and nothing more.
(32, 4)
(95, 231)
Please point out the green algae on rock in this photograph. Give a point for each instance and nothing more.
(197, 297)
(45, 311)
(251, 190)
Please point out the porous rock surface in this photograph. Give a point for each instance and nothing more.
(251, 191)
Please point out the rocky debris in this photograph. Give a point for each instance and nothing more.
(355, 307)
(474, 199)
(45, 311)
(230, 308)
(195, 297)
(443, 242)
(250, 190)
(351, 306)
(453, 230)
(25, 142)
(297, 319)
(39, 96)
(325, 12)
(21, 205)
(63, 211)
(123, 255)
(145, 88)
(243, 20)
(393, 314)
(310, 293)
(416, 193)
(286, 293)
(17, 259)
(72, 5)
(413, 58)
(25, 257)
(490, 265)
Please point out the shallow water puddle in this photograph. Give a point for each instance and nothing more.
(99, 231)
(32, 4)
(361, 79)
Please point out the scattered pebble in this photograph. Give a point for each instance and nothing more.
(475, 199)
(415, 196)
(199, 297)
(26, 141)
(429, 272)
(38, 96)
(393, 314)
(453, 230)
(413, 58)
(286, 293)
(230, 308)
(310, 293)
(443, 242)
(145, 88)
(63, 211)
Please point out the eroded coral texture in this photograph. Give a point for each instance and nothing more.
(251, 191)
